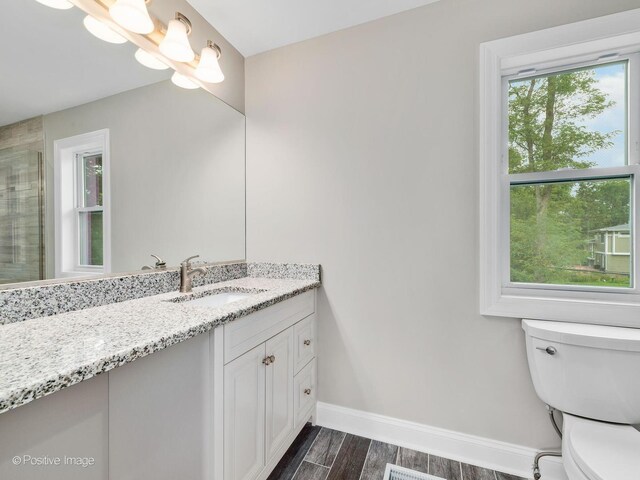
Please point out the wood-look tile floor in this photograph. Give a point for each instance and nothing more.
(324, 454)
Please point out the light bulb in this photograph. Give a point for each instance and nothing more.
(102, 31)
(208, 69)
(149, 60)
(175, 44)
(182, 81)
(132, 15)
(58, 4)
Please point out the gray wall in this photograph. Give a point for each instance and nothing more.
(362, 155)
(177, 173)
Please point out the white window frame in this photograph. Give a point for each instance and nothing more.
(556, 48)
(66, 191)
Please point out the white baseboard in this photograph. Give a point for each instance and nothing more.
(484, 452)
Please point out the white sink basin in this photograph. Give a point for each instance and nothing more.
(219, 299)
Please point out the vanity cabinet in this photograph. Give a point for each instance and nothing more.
(219, 406)
(70, 424)
(160, 414)
(269, 385)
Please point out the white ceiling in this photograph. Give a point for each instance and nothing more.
(254, 26)
(50, 62)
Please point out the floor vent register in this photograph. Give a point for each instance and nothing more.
(394, 472)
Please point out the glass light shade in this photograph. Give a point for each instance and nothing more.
(149, 60)
(132, 15)
(58, 4)
(182, 81)
(208, 69)
(175, 44)
(102, 31)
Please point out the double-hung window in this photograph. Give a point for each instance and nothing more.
(560, 174)
(82, 201)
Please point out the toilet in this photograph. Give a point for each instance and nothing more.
(592, 374)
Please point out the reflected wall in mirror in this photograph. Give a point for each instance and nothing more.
(104, 162)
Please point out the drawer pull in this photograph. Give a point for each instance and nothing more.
(307, 342)
(269, 360)
(307, 391)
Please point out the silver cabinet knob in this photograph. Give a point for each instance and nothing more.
(550, 350)
(307, 342)
(269, 360)
(307, 391)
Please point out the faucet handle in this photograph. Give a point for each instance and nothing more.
(188, 260)
(160, 264)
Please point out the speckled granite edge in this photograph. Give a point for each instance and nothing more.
(23, 394)
(45, 300)
(297, 271)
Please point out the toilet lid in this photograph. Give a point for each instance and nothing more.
(606, 451)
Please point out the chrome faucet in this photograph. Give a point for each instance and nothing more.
(186, 272)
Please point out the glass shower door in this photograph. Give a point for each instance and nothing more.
(21, 216)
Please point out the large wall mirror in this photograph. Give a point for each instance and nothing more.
(104, 162)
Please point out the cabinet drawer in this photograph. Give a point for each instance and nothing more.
(242, 335)
(305, 341)
(304, 392)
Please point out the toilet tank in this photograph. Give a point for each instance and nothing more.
(588, 370)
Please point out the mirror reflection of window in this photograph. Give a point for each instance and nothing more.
(82, 225)
(89, 209)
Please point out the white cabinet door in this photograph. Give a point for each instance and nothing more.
(279, 391)
(244, 415)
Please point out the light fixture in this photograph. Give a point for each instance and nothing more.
(58, 4)
(175, 44)
(208, 69)
(182, 81)
(132, 15)
(149, 60)
(102, 31)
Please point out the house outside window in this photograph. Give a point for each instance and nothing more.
(610, 250)
(560, 155)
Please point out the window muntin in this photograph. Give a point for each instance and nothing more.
(567, 144)
(89, 209)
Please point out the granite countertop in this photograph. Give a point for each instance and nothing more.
(43, 355)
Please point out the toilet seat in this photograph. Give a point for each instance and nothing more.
(601, 451)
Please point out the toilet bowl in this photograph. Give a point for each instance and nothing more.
(592, 374)
(594, 450)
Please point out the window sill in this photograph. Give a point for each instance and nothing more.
(566, 309)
